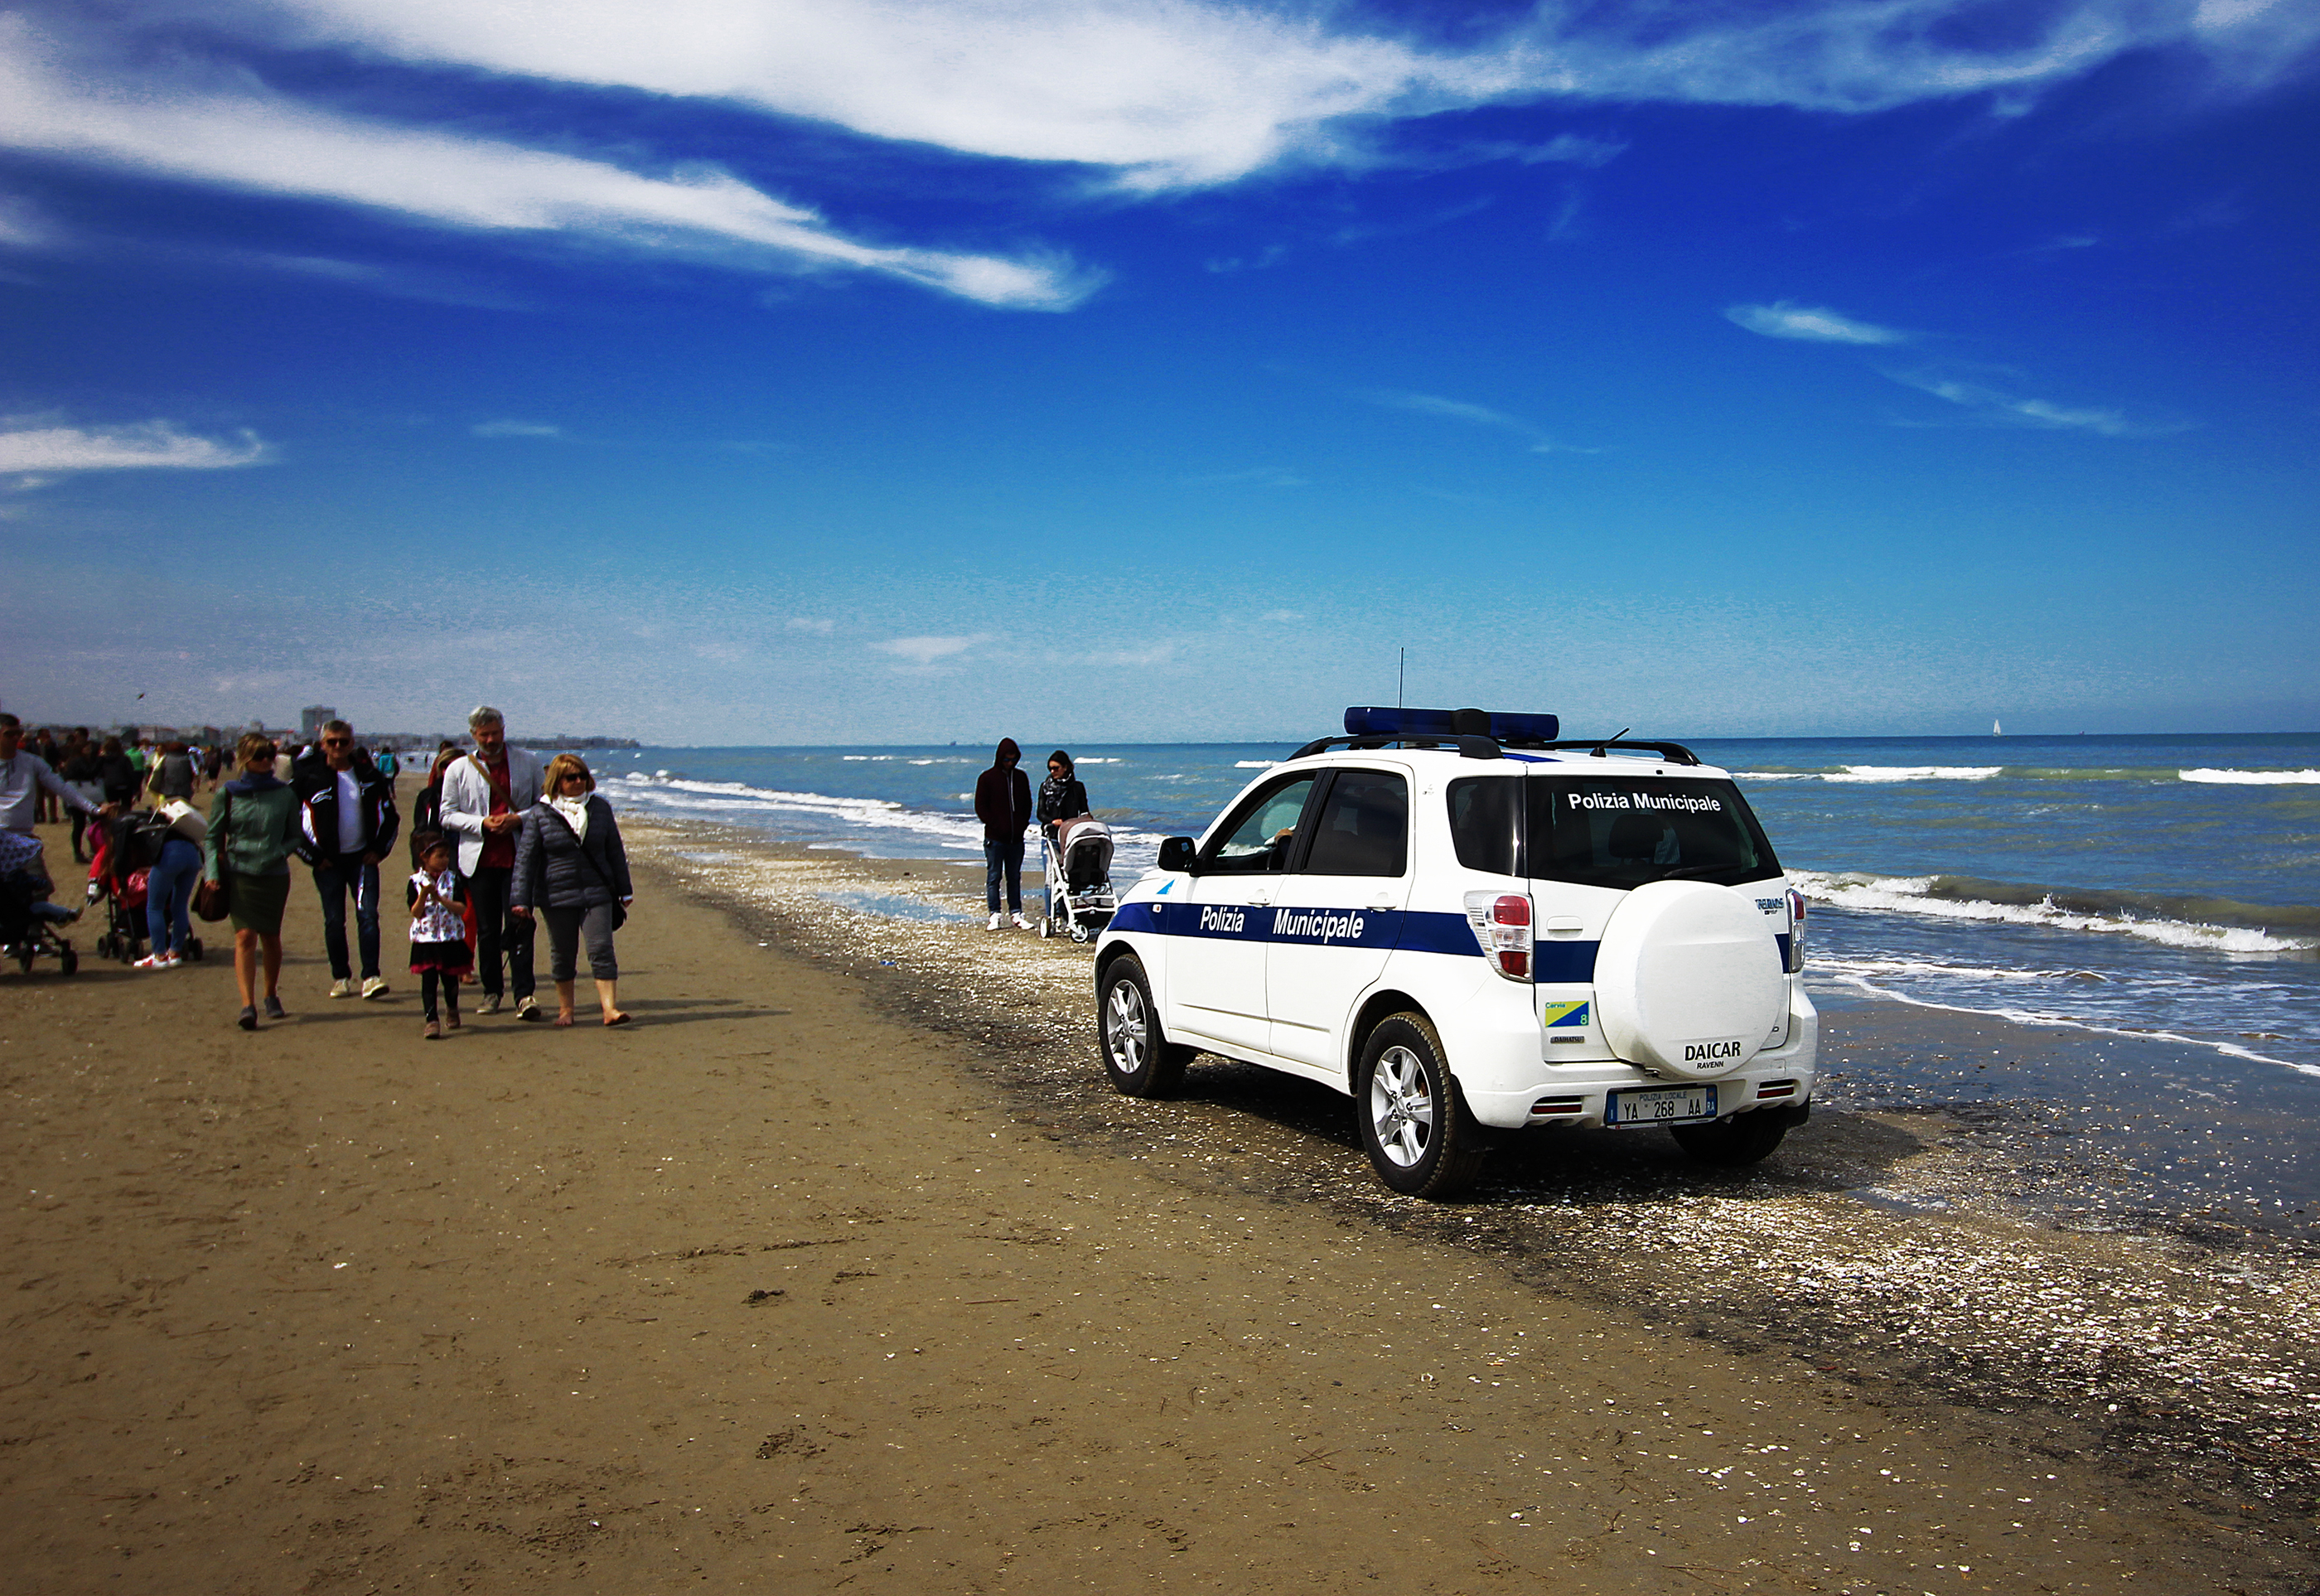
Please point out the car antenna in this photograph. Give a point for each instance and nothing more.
(1401, 677)
(1608, 742)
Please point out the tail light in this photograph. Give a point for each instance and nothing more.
(1501, 924)
(1795, 931)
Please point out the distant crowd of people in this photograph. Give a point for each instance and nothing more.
(498, 842)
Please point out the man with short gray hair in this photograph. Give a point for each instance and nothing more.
(484, 795)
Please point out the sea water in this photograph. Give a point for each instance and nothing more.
(2165, 886)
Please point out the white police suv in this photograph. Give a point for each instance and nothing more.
(1474, 930)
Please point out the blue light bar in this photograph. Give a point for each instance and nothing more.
(1371, 720)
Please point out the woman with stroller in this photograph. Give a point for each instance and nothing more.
(253, 828)
(1062, 797)
(570, 867)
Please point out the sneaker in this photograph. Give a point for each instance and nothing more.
(1022, 924)
(374, 986)
(248, 1020)
(153, 961)
(490, 1005)
(432, 1032)
(171, 961)
(994, 925)
(453, 1022)
(525, 1009)
(274, 1009)
(344, 986)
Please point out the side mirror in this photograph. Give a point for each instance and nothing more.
(1176, 854)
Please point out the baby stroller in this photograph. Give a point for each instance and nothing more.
(1078, 865)
(28, 920)
(127, 846)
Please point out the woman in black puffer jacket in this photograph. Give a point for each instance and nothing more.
(572, 870)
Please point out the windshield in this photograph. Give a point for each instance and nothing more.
(1609, 830)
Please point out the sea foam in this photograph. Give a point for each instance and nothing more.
(1924, 894)
(2255, 778)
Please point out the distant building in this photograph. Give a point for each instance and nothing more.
(311, 720)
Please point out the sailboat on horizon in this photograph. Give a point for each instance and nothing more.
(1996, 730)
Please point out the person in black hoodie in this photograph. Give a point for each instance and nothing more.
(346, 823)
(1003, 802)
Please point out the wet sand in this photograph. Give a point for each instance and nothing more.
(843, 1268)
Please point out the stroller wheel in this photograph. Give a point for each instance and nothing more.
(1079, 933)
(193, 947)
(68, 961)
(1046, 927)
(24, 959)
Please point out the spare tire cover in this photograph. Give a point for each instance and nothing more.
(1689, 979)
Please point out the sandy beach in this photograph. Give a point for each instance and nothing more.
(844, 1268)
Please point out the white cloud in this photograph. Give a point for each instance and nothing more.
(1478, 415)
(1171, 93)
(515, 430)
(1256, 476)
(1284, 616)
(246, 139)
(1992, 406)
(818, 626)
(929, 650)
(1786, 319)
(110, 449)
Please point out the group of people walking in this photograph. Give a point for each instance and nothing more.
(497, 844)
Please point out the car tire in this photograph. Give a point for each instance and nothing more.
(1140, 1059)
(1414, 1125)
(1734, 1143)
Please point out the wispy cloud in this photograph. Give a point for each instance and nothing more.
(1174, 93)
(515, 430)
(252, 140)
(1256, 476)
(1477, 415)
(1155, 653)
(1994, 407)
(146, 444)
(1283, 616)
(926, 652)
(1810, 324)
(820, 626)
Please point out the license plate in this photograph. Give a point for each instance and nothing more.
(1667, 1105)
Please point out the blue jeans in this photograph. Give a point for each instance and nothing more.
(1003, 857)
(332, 876)
(169, 888)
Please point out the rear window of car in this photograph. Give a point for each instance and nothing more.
(1609, 830)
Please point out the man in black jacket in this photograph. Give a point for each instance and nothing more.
(346, 823)
(1003, 802)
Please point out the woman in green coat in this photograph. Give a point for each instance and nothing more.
(252, 822)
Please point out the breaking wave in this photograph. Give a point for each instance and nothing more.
(2218, 925)
(2255, 778)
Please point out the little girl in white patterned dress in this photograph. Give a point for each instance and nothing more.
(440, 954)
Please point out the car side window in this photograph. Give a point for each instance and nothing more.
(1259, 836)
(1364, 829)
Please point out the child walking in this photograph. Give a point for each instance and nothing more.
(440, 954)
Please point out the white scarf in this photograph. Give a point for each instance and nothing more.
(575, 811)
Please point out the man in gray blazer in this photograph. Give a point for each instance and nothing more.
(484, 795)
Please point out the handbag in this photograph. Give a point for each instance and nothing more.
(214, 899)
(620, 910)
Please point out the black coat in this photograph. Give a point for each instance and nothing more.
(318, 801)
(1002, 797)
(550, 869)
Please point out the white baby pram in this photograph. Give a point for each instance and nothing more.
(1078, 865)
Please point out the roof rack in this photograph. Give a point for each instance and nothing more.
(1469, 748)
(1674, 753)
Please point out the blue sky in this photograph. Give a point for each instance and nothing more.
(712, 371)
